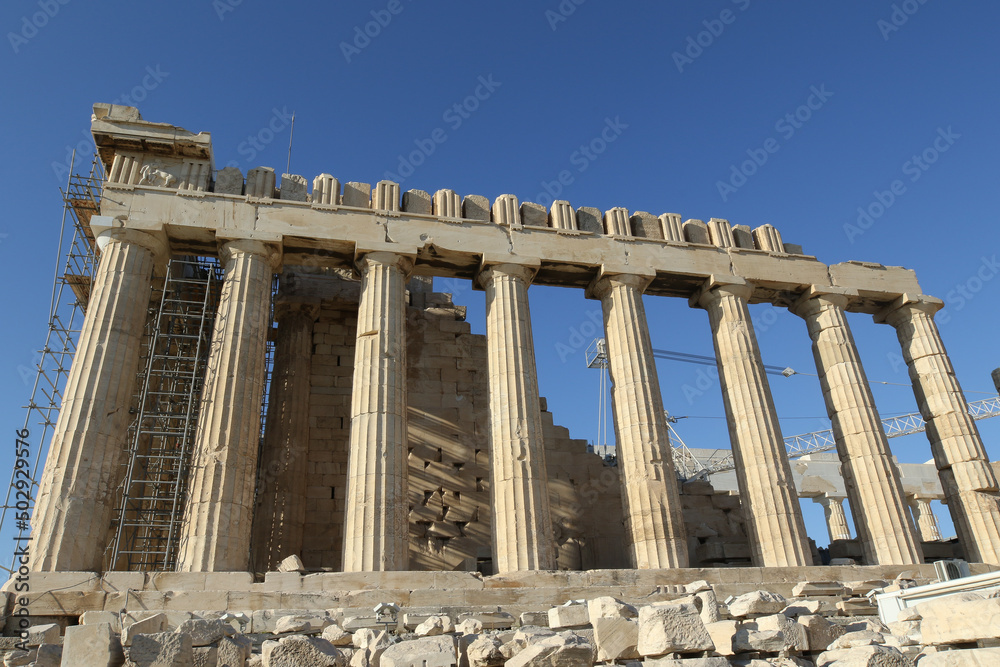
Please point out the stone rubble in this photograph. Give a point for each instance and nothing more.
(756, 629)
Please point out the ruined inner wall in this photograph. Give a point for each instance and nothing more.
(449, 475)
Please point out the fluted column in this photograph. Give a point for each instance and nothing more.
(376, 533)
(218, 516)
(522, 525)
(970, 485)
(281, 510)
(652, 508)
(927, 523)
(836, 519)
(871, 477)
(767, 490)
(83, 469)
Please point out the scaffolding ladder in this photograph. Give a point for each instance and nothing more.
(162, 435)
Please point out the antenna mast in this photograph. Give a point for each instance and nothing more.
(291, 133)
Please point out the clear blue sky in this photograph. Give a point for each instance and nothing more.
(684, 90)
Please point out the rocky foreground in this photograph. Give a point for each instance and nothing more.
(823, 625)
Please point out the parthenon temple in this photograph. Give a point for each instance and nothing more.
(394, 438)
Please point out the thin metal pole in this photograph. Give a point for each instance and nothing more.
(291, 133)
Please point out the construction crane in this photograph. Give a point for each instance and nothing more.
(688, 466)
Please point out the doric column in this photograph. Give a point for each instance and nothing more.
(871, 477)
(836, 520)
(767, 490)
(650, 495)
(218, 517)
(376, 531)
(83, 469)
(970, 486)
(927, 523)
(522, 525)
(281, 509)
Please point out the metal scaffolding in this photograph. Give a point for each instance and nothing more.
(74, 269)
(175, 348)
(162, 435)
(161, 438)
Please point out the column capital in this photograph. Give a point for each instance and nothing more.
(403, 261)
(524, 268)
(637, 277)
(285, 308)
(269, 251)
(716, 284)
(156, 244)
(816, 295)
(902, 309)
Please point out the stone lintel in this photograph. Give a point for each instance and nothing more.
(928, 304)
(452, 248)
(873, 281)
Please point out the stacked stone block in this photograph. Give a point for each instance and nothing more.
(579, 619)
(714, 525)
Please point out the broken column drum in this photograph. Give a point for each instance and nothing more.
(397, 439)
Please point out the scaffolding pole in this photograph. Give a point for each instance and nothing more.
(74, 270)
